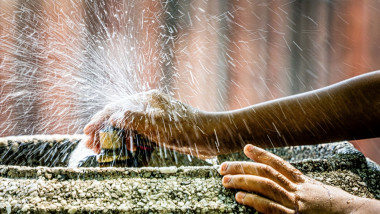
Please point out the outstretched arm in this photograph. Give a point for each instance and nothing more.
(344, 111)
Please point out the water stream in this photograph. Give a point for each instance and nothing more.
(61, 62)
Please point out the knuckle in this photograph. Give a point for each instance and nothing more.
(154, 94)
(239, 179)
(266, 168)
(269, 183)
(109, 107)
(154, 91)
(128, 114)
(234, 167)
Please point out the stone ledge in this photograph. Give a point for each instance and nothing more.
(187, 189)
(130, 190)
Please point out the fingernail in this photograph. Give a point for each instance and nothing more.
(240, 195)
(227, 179)
(224, 166)
(249, 148)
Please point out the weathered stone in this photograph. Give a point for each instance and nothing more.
(194, 189)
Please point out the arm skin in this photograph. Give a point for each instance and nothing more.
(272, 185)
(344, 111)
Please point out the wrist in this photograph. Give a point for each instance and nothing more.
(223, 132)
(364, 205)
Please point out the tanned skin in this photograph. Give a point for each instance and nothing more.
(347, 110)
(272, 185)
(344, 111)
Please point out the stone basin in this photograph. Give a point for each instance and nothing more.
(34, 178)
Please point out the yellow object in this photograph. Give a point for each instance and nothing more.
(110, 158)
(110, 139)
(111, 144)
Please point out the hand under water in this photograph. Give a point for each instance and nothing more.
(272, 185)
(158, 117)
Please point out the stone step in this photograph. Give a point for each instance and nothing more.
(31, 181)
(132, 190)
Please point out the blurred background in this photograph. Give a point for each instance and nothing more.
(61, 61)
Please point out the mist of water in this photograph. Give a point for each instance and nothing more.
(63, 62)
(60, 63)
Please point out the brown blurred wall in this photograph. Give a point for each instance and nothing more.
(6, 28)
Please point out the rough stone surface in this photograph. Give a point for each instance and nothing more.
(186, 189)
(38, 150)
(55, 150)
(183, 189)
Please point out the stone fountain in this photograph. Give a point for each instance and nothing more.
(34, 178)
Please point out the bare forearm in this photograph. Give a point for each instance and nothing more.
(344, 111)
(365, 205)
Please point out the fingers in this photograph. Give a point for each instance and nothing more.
(89, 142)
(258, 169)
(262, 186)
(129, 143)
(129, 120)
(97, 148)
(114, 118)
(261, 204)
(285, 168)
(88, 129)
(97, 121)
(93, 143)
(92, 128)
(92, 131)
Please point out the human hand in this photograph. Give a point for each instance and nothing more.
(272, 185)
(156, 116)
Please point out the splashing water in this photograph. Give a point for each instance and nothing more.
(61, 62)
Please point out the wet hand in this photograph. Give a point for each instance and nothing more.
(158, 117)
(272, 185)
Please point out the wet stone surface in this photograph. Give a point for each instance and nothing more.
(37, 150)
(169, 189)
(55, 150)
(186, 189)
